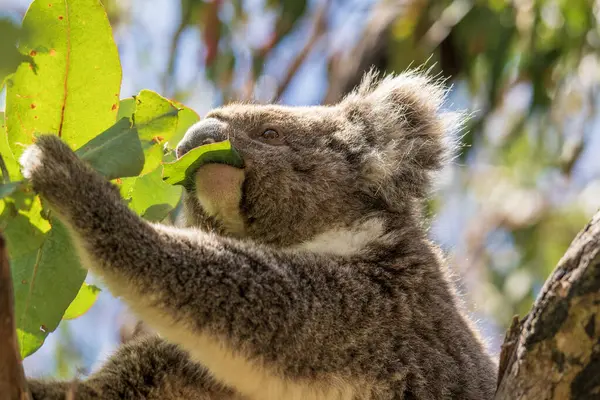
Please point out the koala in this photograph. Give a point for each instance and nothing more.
(305, 275)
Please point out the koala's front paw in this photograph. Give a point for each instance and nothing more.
(64, 181)
(51, 166)
(30, 160)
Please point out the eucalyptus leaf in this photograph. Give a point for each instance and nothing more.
(116, 152)
(9, 188)
(186, 118)
(156, 119)
(11, 57)
(30, 206)
(155, 116)
(10, 163)
(126, 108)
(181, 172)
(73, 91)
(46, 277)
(23, 236)
(152, 198)
(70, 88)
(85, 299)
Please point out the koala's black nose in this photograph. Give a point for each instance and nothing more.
(207, 131)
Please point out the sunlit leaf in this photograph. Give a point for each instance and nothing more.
(126, 108)
(22, 236)
(31, 207)
(125, 185)
(85, 299)
(46, 277)
(152, 198)
(71, 89)
(74, 90)
(7, 156)
(154, 116)
(156, 119)
(28, 341)
(186, 118)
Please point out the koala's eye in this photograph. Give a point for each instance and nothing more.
(271, 136)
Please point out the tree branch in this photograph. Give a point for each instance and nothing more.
(12, 379)
(556, 354)
(318, 30)
(168, 81)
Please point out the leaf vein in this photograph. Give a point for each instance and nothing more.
(67, 69)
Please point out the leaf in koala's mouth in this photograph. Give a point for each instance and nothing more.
(181, 172)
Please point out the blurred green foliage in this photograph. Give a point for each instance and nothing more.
(530, 69)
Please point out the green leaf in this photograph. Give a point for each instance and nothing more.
(181, 172)
(186, 118)
(116, 152)
(155, 116)
(125, 186)
(22, 235)
(156, 119)
(12, 166)
(126, 108)
(73, 91)
(31, 206)
(152, 198)
(11, 58)
(85, 299)
(153, 153)
(46, 277)
(9, 188)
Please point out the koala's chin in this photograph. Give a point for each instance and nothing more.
(219, 192)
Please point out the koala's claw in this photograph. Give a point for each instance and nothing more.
(30, 160)
(49, 156)
(50, 165)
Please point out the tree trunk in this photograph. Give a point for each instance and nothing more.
(554, 352)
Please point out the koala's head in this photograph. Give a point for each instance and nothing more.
(312, 171)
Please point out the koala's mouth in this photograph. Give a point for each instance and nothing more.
(184, 171)
(219, 190)
(214, 172)
(221, 152)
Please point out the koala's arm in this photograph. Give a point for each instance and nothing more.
(298, 314)
(148, 368)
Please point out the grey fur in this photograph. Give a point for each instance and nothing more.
(380, 322)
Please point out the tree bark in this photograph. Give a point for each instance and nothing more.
(554, 352)
(12, 379)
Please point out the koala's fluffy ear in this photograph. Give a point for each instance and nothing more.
(399, 119)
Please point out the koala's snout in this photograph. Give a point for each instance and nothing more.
(208, 131)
